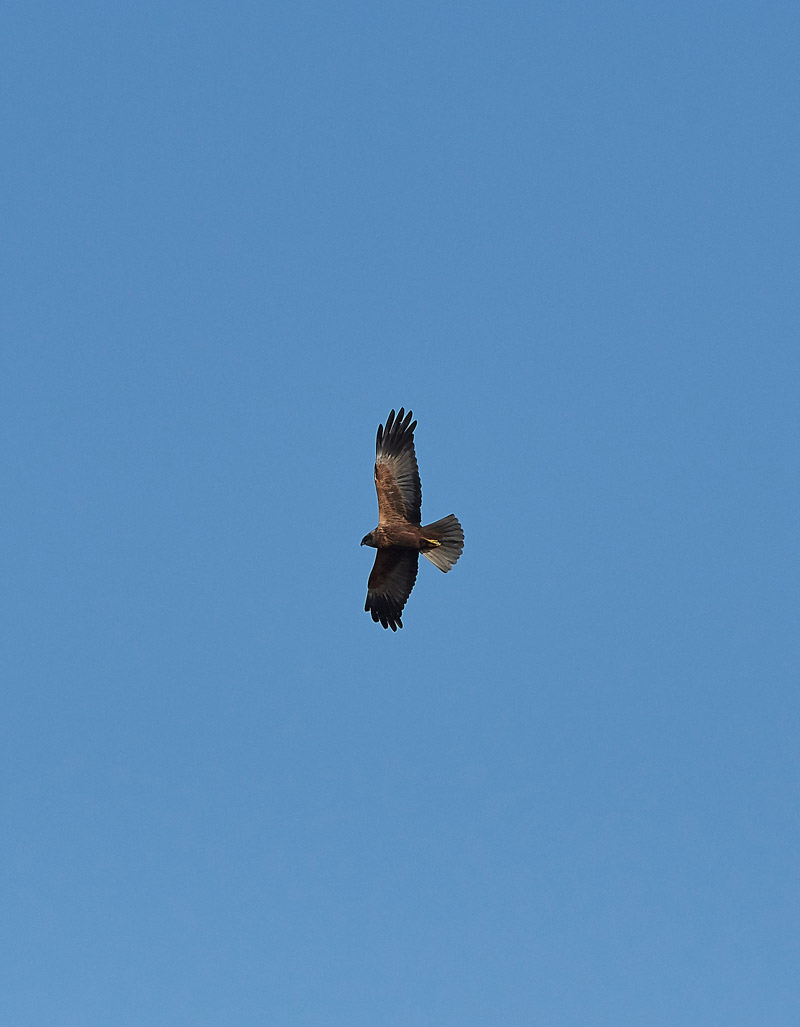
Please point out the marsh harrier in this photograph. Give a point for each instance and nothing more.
(399, 537)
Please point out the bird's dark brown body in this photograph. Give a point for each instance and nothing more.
(409, 535)
(399, 536)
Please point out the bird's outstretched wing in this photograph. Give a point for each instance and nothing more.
(393, 575)
(396, 474)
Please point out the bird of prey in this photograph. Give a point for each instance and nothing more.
(399, 537)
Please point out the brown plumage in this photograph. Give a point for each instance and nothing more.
(399, 536)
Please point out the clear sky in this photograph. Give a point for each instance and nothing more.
(234, 236)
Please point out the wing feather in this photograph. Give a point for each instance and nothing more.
(396, 474)
(393, 575)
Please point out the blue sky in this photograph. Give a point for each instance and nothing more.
(234, 237)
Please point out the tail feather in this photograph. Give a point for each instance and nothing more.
(450, 536)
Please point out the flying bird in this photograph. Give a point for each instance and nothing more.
(399, 537)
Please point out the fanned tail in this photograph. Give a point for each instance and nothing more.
(450, 536)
